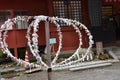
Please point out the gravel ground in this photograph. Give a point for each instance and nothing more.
(102, 73)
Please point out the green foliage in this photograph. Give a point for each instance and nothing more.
(1, 54)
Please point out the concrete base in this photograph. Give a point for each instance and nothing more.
(90, 66)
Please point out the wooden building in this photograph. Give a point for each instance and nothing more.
(89, 12)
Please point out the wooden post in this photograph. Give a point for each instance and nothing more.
(48, 49)
(53, 48)
(15, 52)
(99, 48)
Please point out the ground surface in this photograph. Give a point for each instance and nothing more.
(102, 73)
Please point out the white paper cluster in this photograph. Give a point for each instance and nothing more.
(4, 46)
(33, 42)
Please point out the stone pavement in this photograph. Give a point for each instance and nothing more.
(115, 50)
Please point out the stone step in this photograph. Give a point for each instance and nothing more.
(90, 66)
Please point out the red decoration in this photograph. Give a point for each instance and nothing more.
(26, 56)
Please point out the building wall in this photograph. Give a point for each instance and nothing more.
(16, 38)
(70, 37)
(37, 7)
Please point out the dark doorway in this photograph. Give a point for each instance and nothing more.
(102, 22)
(117, 19)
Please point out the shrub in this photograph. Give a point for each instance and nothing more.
(1, 54)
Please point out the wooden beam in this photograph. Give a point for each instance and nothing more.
(33, 70)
